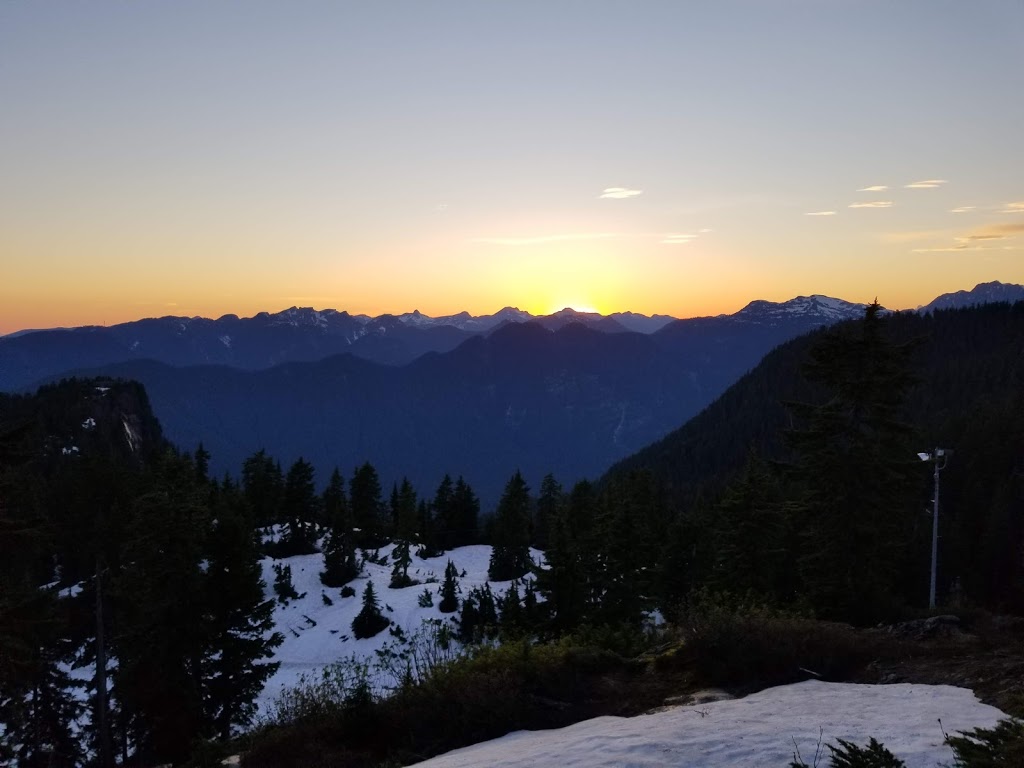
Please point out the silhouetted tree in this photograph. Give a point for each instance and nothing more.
(369, 621)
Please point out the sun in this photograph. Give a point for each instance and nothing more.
(575, 306)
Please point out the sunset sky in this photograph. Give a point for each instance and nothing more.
(203, 158)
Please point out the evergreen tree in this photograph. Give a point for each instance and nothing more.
(240, 620)
(202, 463)
(301, 511)
(566, 580)
(284, 588)
(855, 471)
(478, 619)
(510, 609)
(751, 539)
(341, 564)
(548, 504)
(449, 590)
(38, 701)
(263, 485)
(510, 553)
(628, 532)
(369, 621)
(444, 521)
(406, 522)
(465, 511)
(367, 508)
(162, 638)
(429, 544)
(400, 570)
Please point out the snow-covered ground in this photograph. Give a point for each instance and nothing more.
(317, 635)
(762, 729)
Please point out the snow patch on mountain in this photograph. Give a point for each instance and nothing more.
(823, 308)
(763, 729)
(982, 293)
(317, 634)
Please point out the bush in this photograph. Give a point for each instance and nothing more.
(339, 687)
(989, 747)
(736, 643)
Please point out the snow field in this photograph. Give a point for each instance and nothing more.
(762, 729)
(317, 635)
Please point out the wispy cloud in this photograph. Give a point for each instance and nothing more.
(926, 184)
(983, 239)
(1008, 230)
(964, 247)
(873, 204)
(875, 188)
(916, 235)
(820, 213)
(1014, 208)
(962, 209)
(620, 193)
(704, 231)
(541, 239)
(678, 239)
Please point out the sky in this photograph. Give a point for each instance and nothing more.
(204, 158)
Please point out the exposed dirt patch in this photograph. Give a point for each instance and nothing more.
(990, 664)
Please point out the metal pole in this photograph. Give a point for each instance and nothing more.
(935, 531)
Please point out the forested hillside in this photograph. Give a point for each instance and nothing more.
(965, 392)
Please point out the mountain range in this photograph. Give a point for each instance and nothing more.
(570, 393)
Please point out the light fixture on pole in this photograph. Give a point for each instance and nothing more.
(939, 457)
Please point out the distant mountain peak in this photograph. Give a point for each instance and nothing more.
(982, 293)
(827, 308)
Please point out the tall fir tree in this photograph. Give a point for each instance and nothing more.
(240, 620)
(570, 559)
(367, 507)
(751, 540)
(449, 590)
(400, 571)
(341, 563)
(549, 503)
(628, 531)
(510, 548)
(263, 485)
(429, 545)
(301, 510)
(406, 521)
(442, 510)
(161, 638)
(369, 621)
(856, 472)
(465, 513)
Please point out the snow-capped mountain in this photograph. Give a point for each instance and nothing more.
(982, 293)
(813, 308)
(467, 322)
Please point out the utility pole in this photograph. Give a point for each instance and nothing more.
(938, 457)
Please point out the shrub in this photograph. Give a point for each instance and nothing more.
(339, 687)
(989, 747)
(751, 645)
